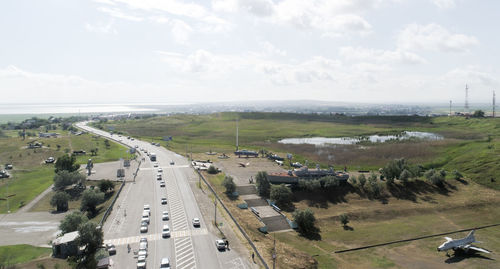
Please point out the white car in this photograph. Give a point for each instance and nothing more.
(147, 207)
(144, 228)
(196, 222)
(172, 162)
(144, 240)
(165, 215)
(220, 244)
(163, 201)
(146, 212)
(145, 220)
(160, 170)
(143, 246)
(155, 164)
(142, 253)
(166, 231)
(165, 263)
(158, 177)
(162, 184)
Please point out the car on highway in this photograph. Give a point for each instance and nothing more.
(146, 212)
(196, 222)
(147, 207)
(164, 201)
(155, 164)
(160, 170)
(141, 262)
(136, 146)
(165, 263)
(144, 240)
(165, 215)
(111, 249)
(158, 177)
(162, 184)
(172, 162)
(143, 246)
(145, 219)
(165, 231)
(220, 244)
(144, 227)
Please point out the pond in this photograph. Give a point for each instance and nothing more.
(322, 141)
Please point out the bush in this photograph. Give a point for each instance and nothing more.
(64, 178)
(362, 180)
(405, 176)
(106, 185)
(434, 177)
(212, 170)
(281, 195)
(457, 175)
(229, 184)
(67, 163)
(305, 221)
(60, 201)
(353, 180)
(90, 200)
(344, 219)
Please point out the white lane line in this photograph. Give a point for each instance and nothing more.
(187, 264)
(182, 236)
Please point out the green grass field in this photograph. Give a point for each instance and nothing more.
(16, 254)
(471, 146)
(31, 175)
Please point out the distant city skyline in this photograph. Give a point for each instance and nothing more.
(173, 51)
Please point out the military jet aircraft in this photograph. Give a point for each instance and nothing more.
(462, 244)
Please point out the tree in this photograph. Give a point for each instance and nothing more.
(106, 143)
(106, 185)
(393, 169)
(90, 200)
(281, 195)
(305, 221)
(478, 114)
(90, 239)
(67, 163)
(229, 184)
(64, 178)
(212, 170)
(263, 185)
(434, 177)
(60, 201)
(344, 219)
(405, 175)
(362, 180)
(71, 221)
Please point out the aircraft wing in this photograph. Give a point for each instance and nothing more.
(479, 249)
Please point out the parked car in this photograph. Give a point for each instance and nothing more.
(141, 261)
(163, 201)
(144, 228)
(50, 160)
(220, 244)
(165, 263)
(145, 219)
(165, 215)
(111, 249)
(196, 222)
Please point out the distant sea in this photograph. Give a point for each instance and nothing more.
(14, 109)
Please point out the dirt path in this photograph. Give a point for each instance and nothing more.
(33, 202)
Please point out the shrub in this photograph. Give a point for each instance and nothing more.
(362, 180)
(405, 175)
(344, 219)
(457, 175)
(229, 184)
(305, 221)
(281, 195)
(60, 201)
(263, 185)
(212, 170)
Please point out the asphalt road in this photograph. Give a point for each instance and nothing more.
(188, 246)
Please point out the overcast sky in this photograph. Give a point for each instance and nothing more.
(174, 51)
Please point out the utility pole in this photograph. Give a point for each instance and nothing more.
(236, 134)
(494, 104)
(215, 211)
(466, 107)
(274, 251)
(450, 108)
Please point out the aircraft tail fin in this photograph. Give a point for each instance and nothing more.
(471, 236)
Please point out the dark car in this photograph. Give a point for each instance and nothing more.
(111, 249)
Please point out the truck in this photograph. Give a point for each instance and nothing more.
(152, 157)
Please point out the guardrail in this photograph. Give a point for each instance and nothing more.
(234, 220)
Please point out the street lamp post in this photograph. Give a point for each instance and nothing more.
(215, 212)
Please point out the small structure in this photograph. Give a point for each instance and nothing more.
(246, 153)
(35, 144)
(47, 135)
(65, 245)
(104, 263)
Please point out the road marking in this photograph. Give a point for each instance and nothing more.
(236, 263)
(152, 237)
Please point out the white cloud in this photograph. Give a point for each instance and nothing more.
(271, 49)
(107, 28)
(434, 37)
(444, 4)
(117, 13)
(380, 56)
(181, 31)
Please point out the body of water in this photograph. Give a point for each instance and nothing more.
(322, 141)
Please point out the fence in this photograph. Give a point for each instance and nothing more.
(234, 220)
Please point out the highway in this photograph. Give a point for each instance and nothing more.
(188, 246)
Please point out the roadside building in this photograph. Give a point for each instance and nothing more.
(65, 245)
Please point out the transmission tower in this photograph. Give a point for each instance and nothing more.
(466, 107)
(494, 103)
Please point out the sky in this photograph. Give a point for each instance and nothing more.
(175, 51)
